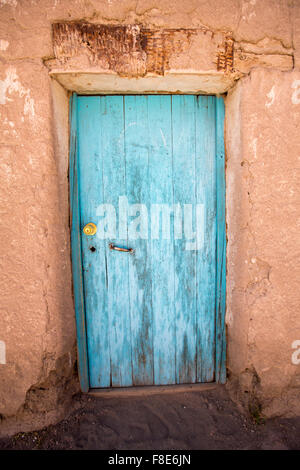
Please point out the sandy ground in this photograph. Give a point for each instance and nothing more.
(193, 420)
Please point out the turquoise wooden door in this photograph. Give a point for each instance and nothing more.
(151, 179)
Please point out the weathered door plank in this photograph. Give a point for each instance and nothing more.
(138, 192)
(76, 248)
(114, 181)
(206, 260)
(94, 248)
(221, 246)
(162, 250)
(184, 187)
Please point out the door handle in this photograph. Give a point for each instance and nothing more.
(118, 248)
(90, 229)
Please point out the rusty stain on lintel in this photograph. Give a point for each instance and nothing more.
(225, 56)
(130, 50)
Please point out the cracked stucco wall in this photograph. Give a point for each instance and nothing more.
(37, 327)
(263, 151)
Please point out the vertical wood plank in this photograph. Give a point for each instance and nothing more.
(183, 126)
(206, 257)
(221, 246)
(162, 250)
(94, 262)
(138, 192)
(114, 180)
(76, 250)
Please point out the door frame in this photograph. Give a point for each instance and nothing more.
(75, 225)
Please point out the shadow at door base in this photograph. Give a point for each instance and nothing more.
(152, 390)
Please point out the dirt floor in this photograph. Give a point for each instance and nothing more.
(180, 421)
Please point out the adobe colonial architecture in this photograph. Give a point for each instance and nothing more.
(247, 52)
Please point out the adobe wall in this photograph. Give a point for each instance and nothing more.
(263, 149)
(249, 49)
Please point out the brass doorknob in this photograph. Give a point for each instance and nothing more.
(90, 229)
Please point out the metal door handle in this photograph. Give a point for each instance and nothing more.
(118, 248)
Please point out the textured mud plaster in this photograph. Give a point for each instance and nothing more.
(263, 206)
(11, 84)
(133, 51)
(37, 319)
(228, 38)
(123, 49)
(209, 61)
(93, 58)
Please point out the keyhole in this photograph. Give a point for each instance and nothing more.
(92, 249)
